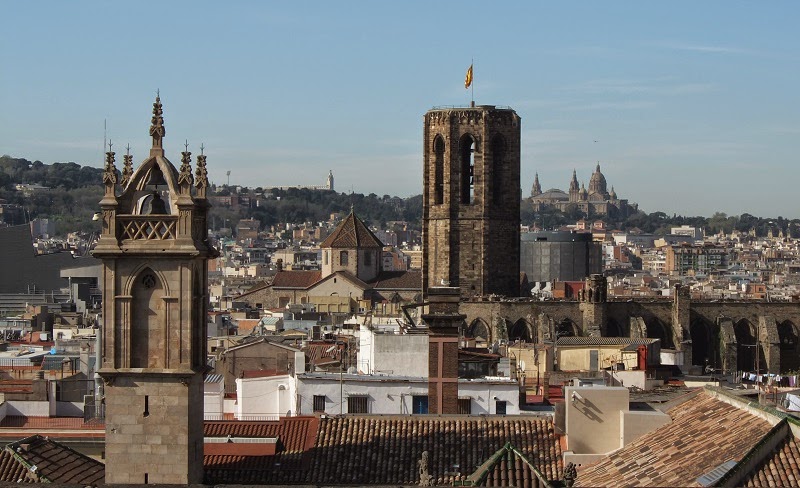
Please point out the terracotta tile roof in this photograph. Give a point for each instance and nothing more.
(296, 437)
(385, 450)
(351, 234)
(21, 422)
(55, 462)
(296, 434)
(780, 468)
(296, 279)
(398, 280)
(323, 352)
(508, 467)
(705, 432)
(11, 470)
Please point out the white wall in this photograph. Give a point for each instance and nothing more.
(384, 394)
(28, 409)
(262, 398)
(214, 399)
(592, 418)
(394, 395)
(393, 354)
(485, 395)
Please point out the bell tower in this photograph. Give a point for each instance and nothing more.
(471, 200)
(154, 248)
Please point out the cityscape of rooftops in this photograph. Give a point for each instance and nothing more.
(360, 243)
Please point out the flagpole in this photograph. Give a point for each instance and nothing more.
(472, 85)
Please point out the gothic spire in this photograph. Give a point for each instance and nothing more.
(537, 188)
(185, 173)
(157, 130)
(201, 174)
(127, 167)
(110, 172)
(573, 185)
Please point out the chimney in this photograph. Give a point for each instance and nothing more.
(443, 321)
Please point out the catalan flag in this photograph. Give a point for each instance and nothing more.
(468, 79)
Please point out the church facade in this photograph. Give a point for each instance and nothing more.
(596, 201)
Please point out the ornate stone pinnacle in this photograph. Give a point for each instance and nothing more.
(157, 130)
(185, 173)
(201, 173)
(127, 166)
(110, 171)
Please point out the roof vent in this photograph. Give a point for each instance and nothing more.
(716, 474)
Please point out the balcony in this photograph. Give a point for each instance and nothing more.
(148, 227)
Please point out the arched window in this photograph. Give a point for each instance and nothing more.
(498, 168)
(438, 177)
(343, 258)
(467, 153)
(147, 315)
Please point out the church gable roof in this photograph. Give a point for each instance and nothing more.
(345, 275)
(296, 279)
(351, 234)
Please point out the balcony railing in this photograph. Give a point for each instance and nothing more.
(148, 227)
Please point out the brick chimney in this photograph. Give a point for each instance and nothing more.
(443, 321)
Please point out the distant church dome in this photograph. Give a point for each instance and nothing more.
(597, 183)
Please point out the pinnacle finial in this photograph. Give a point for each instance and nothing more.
(157, 130)
(202, 147)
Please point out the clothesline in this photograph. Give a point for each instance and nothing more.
(771, 379)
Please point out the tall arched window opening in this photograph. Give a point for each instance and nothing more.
(438, 177)
(467, 170)
(498, 168)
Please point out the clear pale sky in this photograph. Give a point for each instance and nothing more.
(690, 107)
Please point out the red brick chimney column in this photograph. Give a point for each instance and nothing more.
(443, 321)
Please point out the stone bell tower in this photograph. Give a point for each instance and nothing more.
(471, 200)
(154, 248)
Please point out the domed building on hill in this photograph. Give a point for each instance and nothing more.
(596, 201)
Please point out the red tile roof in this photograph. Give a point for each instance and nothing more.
(323, 352)
(385, 450)
(508, 467)
(399, 280)
(57, 463)
(780, 468)
(296, 437)
(296, 279)
(705, 432)
(11, 470)
(296, 434)
(351, 234)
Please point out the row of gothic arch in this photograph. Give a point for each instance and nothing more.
(723, 344)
